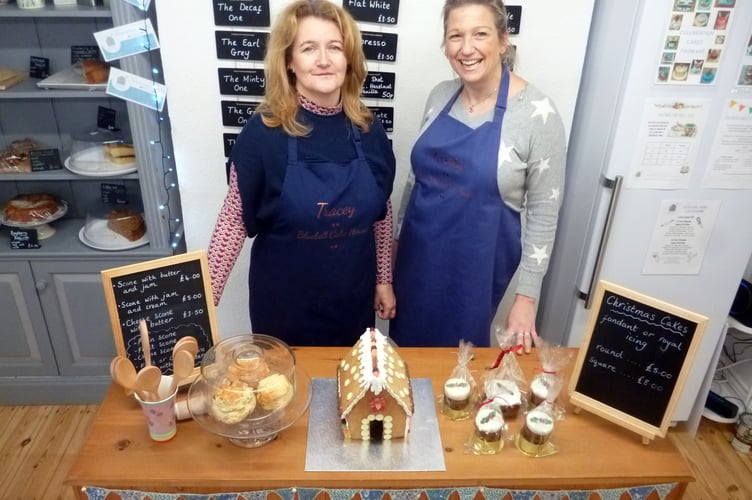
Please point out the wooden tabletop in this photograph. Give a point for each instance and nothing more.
(594, 453)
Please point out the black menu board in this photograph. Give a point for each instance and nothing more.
(634, 359)
(241, 81)
(173, 295)
(379, 46)
(373, 11)
(241, 12)
(241, 45)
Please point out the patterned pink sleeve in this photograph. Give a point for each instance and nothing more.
(382, 231)
(227, 238)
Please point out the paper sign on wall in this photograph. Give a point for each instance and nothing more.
(127, 40)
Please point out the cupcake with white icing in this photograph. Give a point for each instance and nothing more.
(489, 430)
(457, 398)
(534, 436)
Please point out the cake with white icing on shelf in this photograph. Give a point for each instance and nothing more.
(374, 393)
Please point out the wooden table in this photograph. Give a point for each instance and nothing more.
(594, 454)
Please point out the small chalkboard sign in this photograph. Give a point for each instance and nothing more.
(241, 81)
(373, 11)
(241, 12)
(379, 46)
(24, 239)
(634, 360)
(514, 16)
(237, 113)
(241, 45)
(379, 85)
(45, 159)
(385, 114)
(113, 194)
(229, 141)
(173, 295)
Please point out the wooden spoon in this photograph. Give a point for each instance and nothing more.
(147, 383)
(189, 344)
(145, 342)
(182, 367)
(123, 373)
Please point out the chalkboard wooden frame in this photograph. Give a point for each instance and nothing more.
(631, 383)
(199, 308)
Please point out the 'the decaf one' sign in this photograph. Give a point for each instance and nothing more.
(241, 81)
(379, 85)
(241, 12)
(236, 113)
(173, 295)
(634, 360)
(241, 45)
(379, 46)
(385, 114)
(373, 11)
(514, 16)
(229, 142)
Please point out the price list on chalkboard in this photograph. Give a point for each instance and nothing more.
(172, 300)
(241, 12)
(241, 45)
(635, 355)
(373, 11)
(379, 85)
(246, 82)
(378, 46)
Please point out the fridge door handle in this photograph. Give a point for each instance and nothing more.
(615, 185)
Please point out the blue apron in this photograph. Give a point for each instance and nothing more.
(313, 274)
(460, 244)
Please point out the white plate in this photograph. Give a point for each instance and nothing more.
(93, 162)
(71, 78)
(61, 210)
(97, 235)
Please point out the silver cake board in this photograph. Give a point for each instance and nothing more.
(328, 450)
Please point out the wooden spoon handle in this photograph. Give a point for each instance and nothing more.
(145, 341)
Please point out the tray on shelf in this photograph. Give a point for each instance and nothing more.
(72, 78)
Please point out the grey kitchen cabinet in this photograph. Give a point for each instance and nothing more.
(56, 340)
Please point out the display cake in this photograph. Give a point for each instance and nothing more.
(374, 393)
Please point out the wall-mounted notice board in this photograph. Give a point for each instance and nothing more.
(173, 295)
(634, 359)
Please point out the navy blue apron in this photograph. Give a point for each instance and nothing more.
(313, 274)
(460, 244)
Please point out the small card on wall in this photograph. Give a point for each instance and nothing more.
(141, 4)
(133, 88)
(127, 40)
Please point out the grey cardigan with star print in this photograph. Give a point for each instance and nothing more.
(530, 172)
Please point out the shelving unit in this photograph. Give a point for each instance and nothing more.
(59, 342)
(739, 376)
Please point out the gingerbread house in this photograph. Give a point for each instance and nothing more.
(373, 390)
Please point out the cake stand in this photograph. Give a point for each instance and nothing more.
(42, 226)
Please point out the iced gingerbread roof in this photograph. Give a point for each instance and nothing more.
(373, 365)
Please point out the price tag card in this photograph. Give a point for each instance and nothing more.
(241, 46)
(248, 82)
(84, 53)
(136, 89)
(24, 239)
(126, 40)
(237, 113)
(45, 159)
(379, 85)
(39, 67)
(241, 12)
(373, 11)
(113, 194)
(380, 47)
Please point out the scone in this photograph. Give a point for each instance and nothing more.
(232, 402)
(275, 392)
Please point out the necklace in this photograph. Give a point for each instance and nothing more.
(471, 106)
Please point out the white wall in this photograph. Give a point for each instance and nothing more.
(550, 52)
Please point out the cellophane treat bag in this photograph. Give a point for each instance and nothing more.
(459, 396)
(534, 439)
(553, 361)
(489, 431)
(504, 385)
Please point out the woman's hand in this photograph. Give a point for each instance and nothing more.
(521, 321)
(385, 303)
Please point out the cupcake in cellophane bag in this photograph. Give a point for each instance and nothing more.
(534, 439)
(504, 384)
(553, 359)
(458, 399)
(489, 431)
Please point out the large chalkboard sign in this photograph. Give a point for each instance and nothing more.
(241, 81)
(241, 12)
(173, 295)
(634, 359)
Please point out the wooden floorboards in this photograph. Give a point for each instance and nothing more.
(38, 445)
